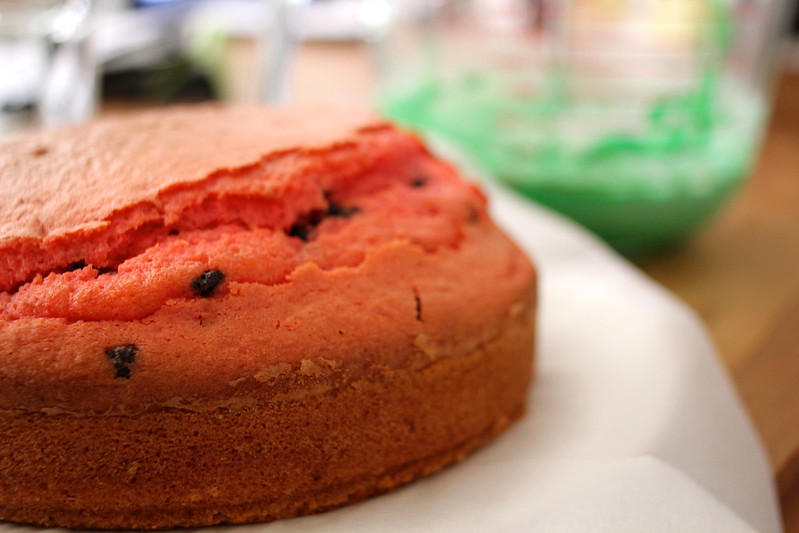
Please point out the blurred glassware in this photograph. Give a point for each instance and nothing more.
(145, 54)
(245, 46)
(47, 72)
(277, 51)
(636, 118)
(297, 22)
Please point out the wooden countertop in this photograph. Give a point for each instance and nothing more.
(742, 275)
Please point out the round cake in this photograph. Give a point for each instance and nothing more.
(235, 314)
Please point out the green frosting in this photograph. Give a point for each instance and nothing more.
(641, 176)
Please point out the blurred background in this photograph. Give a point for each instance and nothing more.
(639, 119)
(668, 128)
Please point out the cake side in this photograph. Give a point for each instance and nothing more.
(281, 457)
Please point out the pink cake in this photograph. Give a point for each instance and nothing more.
(223, 315)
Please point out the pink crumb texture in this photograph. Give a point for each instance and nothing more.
(335, 232)
(236, 221)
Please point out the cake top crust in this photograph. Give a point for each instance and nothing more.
(60, 181)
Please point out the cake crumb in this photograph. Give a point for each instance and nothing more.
(272, 372)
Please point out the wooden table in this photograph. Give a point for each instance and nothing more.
(742, 275)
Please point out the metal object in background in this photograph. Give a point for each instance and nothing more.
(47, 69)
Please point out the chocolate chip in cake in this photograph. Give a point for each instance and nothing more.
(472, 214)
(206, 283)
(40, 150)
(337, 210)
(301, 231)
(305, 226)
(418, 182)
(418, 305)
(173, 231)
(77, 265)
(121, 356)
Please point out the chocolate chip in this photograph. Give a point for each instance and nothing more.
(40, 150)
(418, 182)
(173, 231)
(77, 265)
(124, 354)
(301, 231)
(121, 356)
(206, 283)
(335, 209)
(472, 214)
(306, 224)
(338, 210)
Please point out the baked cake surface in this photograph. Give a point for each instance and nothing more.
(222, 315)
